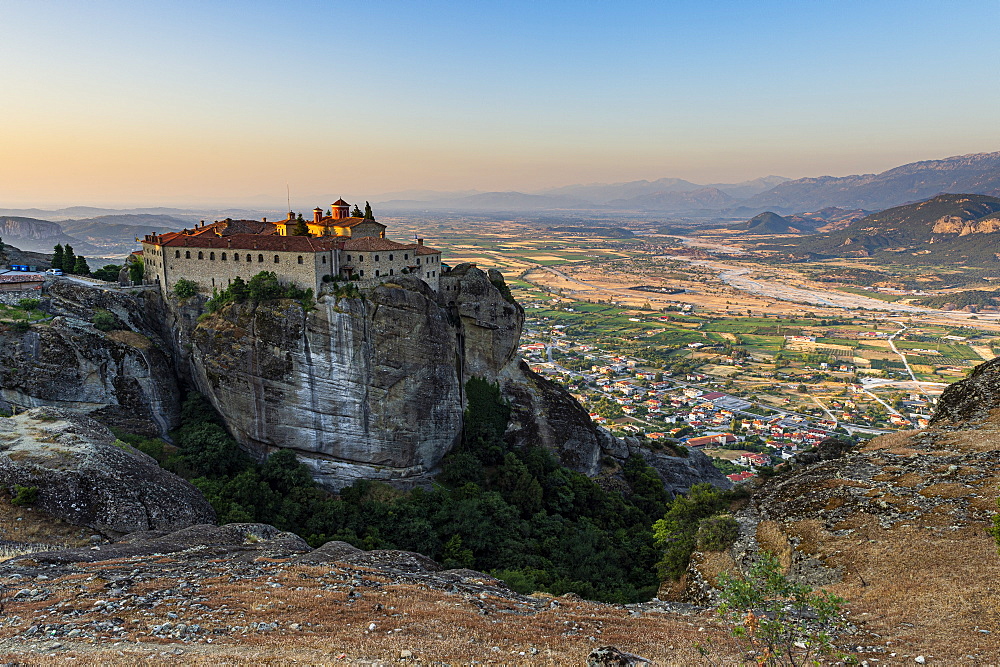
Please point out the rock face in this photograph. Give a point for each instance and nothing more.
(971, 399)
(121, 377)
(85, 477)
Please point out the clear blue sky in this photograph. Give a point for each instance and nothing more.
(165, 102)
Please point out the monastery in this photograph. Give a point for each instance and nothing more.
(340, 246)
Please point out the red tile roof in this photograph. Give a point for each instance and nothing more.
(249, 242)
(340, 202)
(22, 278)
(373, 243)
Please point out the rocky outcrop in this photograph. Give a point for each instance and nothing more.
(971, 399)
(123, 377)
(87, 478)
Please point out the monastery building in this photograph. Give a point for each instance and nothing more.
(339, 246)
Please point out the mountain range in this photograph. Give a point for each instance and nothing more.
(977, 173)
(948, 228)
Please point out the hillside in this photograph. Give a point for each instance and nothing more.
(769, 222)
(958, 228)
(34, 235)
(978, 173)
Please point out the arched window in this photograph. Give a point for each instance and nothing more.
(177, 254)
(406, 257)
(376, 258)
(348, 259)
(390, 272)
(418, 261)
(201, 255)
(390, 257)
(187, 254)
(249, 258)
(211, 256)
(276, 259)
(260, 259)
(300, 259)
(362, 273)
(376, 273)
(361, 258)
(324, 259)
(223, 257)
(236, 256)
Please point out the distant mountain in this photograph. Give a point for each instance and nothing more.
(769, 222)
(829, 219)
(749, 188)
(948, 228)
(33, 235)
(977, 173)
(491, 201)
(122, 228)
(694, 200)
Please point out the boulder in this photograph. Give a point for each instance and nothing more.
(84, 476)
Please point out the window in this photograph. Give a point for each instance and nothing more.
(187, 254)
(236, 256)
(418, 261)
(376, 258)
(177, 254)
(376, 273)
(361, 258)
(223, 257)
(362, 273)
(201, 255)
(260, 259)
(390, 257)
(300, 259)
(211, 256)
(249, 258)
(390, 272)
(406, 257)
(348, 259)
(324, 259)
(276, 259)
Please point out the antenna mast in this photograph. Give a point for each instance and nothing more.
(288, 195)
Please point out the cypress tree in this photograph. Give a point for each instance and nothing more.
(356, 213)
(301, 228)
(80, 267)
(368, 212)
(57, 257)
(69, 259)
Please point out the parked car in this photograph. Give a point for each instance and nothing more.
(54, 272)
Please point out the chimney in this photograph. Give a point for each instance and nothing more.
(265, 220)
(420, 241)
(317, 214)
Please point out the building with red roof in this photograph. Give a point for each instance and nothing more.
(338, 247)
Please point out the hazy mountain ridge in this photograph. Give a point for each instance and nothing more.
(33, 235)
(945, 228)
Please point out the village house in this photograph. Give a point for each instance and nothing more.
(339, 247)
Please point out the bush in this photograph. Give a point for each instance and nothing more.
(24, 495)
(776, 621)
(29, 304)
(184, 288)
(104, 321)
(717, 533)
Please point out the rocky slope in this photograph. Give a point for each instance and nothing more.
(247, 593)
(83, 476)
(122, 377)
(898, 527)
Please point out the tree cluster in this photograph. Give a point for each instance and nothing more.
(68, 261)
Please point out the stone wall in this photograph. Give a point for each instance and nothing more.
(11, 298)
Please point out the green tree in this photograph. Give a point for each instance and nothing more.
(57, 257)
(108, 273)
(136, 269)
(69, 259)
(80, 266)
(356, 213)
(301, 228)
(185, 288)
(368, 212)
(779, 622)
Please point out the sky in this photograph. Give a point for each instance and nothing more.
(166, 103)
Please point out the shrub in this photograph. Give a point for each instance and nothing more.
(24, 495)
(717, 533)
(29, 304)
(185, 288)
(776, 621)
(104, 320)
